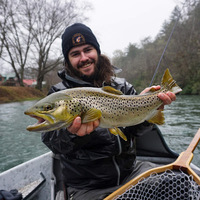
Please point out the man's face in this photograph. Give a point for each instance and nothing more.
(83, 59)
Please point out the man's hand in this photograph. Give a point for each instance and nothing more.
(82, 129)
(166, 98)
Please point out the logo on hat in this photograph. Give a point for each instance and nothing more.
(78, 39)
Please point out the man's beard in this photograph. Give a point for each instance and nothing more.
(86, 78)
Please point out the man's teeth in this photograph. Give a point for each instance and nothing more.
(87, 65)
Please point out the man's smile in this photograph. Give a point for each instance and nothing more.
(88, 64)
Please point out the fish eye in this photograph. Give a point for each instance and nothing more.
(48, 107)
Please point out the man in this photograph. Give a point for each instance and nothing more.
(94, 162)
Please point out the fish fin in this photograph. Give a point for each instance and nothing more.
(170, 83)
(158, 118)
(111, 90)
(116, 131)
(69, 120)
(152, 90)
(91, 115)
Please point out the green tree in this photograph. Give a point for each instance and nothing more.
(182, 55)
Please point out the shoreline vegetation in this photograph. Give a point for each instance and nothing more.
(10, 94)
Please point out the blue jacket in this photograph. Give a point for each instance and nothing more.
(97, 160)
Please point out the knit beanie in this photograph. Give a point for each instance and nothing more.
(76, 35)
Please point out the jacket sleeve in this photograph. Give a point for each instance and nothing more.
(58, 141)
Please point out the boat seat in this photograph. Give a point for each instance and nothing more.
(152, 147)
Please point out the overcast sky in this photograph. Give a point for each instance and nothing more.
(116, 23)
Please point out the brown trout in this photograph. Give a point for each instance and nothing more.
(110, 106)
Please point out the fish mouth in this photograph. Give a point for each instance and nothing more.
(44, 122)
(40, 125)
(40, 120)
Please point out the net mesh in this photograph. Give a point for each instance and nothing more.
(172, 185)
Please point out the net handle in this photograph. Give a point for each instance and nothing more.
(194, 142)
(183, 162)
(186, 157)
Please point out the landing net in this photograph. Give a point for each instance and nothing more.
(170, 185)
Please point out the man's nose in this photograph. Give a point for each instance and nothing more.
(84, 57)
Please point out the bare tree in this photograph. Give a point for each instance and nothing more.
(30, 30)
(51, 20)
(15, 39)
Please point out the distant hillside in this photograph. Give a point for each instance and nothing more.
(12, 94)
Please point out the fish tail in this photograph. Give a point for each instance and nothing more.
(169, 83)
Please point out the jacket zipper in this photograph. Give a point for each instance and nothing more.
(114, 160)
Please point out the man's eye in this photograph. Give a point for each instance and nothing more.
(88, 50)
(75, 54)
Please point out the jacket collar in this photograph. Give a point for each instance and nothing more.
(64, 76)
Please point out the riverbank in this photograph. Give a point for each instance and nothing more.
(13, 94)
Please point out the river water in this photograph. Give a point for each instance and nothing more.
(18, 145)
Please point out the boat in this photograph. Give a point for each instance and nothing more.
(40, 178)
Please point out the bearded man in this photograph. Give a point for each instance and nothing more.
(94, 162)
